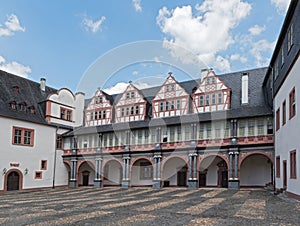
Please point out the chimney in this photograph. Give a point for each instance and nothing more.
(245, 88)
(43, 84)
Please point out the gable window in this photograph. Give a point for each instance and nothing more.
(213, 98)
(283, 112)
(293, 167)
(220, 98)
(161, 106)
(208, 81)
(66, 114)
(127, 111)
(167, 88)
(104, 114)
(172, 105)
(201, 100)
(32, 110)
(178, 104)
(172, 87)
(213, 80)
(167, 105)
(23, 136)
(136, 110)
(207, 100)
(122, 112)
(292, 99)
(132, 110)
(100, 114)
(23, 106)
(290, 37)
(44, 165)
(13, 105)
(100, 100)
(277, 166)
(278, 119)
(96, 115)
(127, 95)
(91, 116)
(132, 94)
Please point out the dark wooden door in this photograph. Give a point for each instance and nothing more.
(202, 179)
(13, 181)
(181, 178)
(85, 178)
(224, 179)
(284, 174)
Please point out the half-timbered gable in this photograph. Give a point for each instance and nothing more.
(99, 110)
(131, 106)
(170, 100)
(211, 94)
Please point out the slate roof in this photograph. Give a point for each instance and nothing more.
(256, 106)
(29, 92)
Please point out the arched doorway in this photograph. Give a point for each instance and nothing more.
(213, 172)
(175, 172)
(86, 174)
(256, 171)
(112, 175)
(13, 180)
(141, 173)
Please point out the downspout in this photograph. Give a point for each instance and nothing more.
(54, 162)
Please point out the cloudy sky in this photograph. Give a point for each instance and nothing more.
(105, 44)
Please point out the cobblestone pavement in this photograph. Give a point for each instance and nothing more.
(145, 206)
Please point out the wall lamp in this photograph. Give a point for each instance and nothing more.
(4, 171)
(26, 171)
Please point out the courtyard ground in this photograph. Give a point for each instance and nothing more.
(146, 206)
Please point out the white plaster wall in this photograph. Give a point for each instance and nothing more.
(210, 164)
(30, 157)
(287, 137)
(114, 173)
(79, 106)
(255, 171)
(135, 177)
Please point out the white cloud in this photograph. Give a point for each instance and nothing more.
(12, 25)
(137, 5)
(260, 47)
(94, 26)
(14, 68)
(281, 5)
(205, 36)
(238, 57)
(121, 86)
(135, 73)
(256, 29)
(118, 88)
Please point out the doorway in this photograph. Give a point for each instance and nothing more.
(202, 179)
(181, 178)
(225, 179)
(284, 175)
(13, 180)
(85, 178)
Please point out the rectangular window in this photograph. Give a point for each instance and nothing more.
(69, 115)
(208, 131)
(260, 127)
(153, 136)
(140, 136)
(207, 100)
(178, 104)
(292, 99)
(277, 166)
(91, 116)
(161, 106)
(220, 98)
(127, 95)
(172, 87)
(290, 37)
(44, 165)
(213, 98)
(179, 135)
(132, 95)
(227, 130)
(242, 125)
(201, 132)
(96, 115)
(65, 114)
(283, 112)
(269, 126)
(122, 112)
(276, 69)
(201, 101)
(293, 167)
(282, 56)
(172, 105)
(217, 130)
(22, 136)
(187, 132)
(136, 110)
(38, 175)
(59, 142)
(278, 119)
(132, 110)
(172, 134)
(104, 114)
(145, 170)
(127, 111)
(62, 113)
(167, 105)
(251, 126)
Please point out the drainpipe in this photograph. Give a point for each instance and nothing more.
(54, 162)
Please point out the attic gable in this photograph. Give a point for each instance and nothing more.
(99, 100)
(130, 96)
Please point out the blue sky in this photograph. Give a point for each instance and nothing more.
(105, 44)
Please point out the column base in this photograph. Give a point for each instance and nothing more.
(125, 183)
(97, 183)
(233, 184)
(72, 184)
(156, 184)
(193, 184)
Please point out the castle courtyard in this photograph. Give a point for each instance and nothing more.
(146, 206)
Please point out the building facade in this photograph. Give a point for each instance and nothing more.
(216, 131)
(283, 82)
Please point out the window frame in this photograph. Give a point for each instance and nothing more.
(44, 164)
(22, 136)
(293, 164)
(277, 162)
(277, 119)
(292, 103)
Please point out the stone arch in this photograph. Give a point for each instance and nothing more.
(165, 160)
(243, 156)
(213, 171)
(141, 171)
(174, 171)
(256, 170)
(85, 173)
(20, 179)
(135, 159)
(112, 172)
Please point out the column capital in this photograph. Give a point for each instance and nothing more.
(236, 152)
(230, 153)
(126, 157)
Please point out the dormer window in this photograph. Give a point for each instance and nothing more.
(208, 81)
(99, 100)
(132, 95)
(31, 109)
(16, 89)
(127, 95)
(23, 106)
(170, 87)
(13, 105)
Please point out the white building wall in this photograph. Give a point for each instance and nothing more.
(287, 137)
(30, 157)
